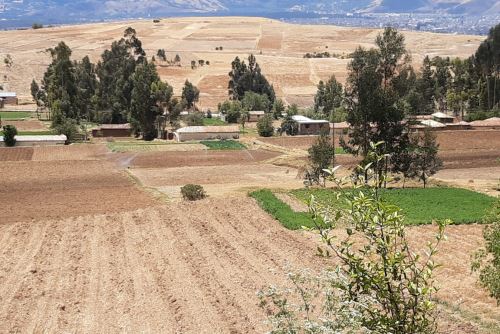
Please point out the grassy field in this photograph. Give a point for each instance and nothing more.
(32, 133)
(136, 146)
(11, 115)
(281, 211)
(422, 206)
(223, 145)
(213, 121)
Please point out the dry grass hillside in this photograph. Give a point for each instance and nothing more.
(279, 48)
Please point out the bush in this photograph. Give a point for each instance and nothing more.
(378, 277)
(193, 192)
(68, 128)
(9, 135)
(265, 126)
(487, 261)
(321, 154)
(194, 119)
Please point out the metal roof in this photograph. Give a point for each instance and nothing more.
(433, 124)
(41, 138)
(257, 112)
(7, 94)
(115, 126)
(442, 115)
(209, 129)
(306, 120)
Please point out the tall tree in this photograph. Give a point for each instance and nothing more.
(328, 97)
(426, 86)
(86, 83)
(373, 97)
(190, 93)
(148, 95)
(244, 78)
(114, 72)
(59, 82)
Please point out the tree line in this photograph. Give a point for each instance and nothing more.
(122, 87)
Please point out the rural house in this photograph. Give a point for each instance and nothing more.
(41, 140)
(254, 116)
(112, 130)
(8, 98)
(207, 132)
(307, 126)
(443, 118)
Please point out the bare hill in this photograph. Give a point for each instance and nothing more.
(279, 48)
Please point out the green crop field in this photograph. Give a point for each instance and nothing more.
(281, 211)
(223, 145)
(213, 121)
(422, 206)
(136, 146)
(32, 133)
(11, 115)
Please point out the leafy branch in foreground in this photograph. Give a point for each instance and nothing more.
(487, 260)
(388, 286)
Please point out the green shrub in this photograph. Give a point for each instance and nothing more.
(68, 128)
(265, 126)
(193, 192)
(487, 260)
(223, 145)
(194, 119)
(9, 135)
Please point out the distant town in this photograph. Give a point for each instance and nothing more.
(441, 23)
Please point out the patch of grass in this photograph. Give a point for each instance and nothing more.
(281, 211)
(213, 122)
(223, 145)
(135, 146)
(421, 206)
(12, 115)
(32, 133)
(339, 150)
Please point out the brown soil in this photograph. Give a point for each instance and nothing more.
(51, 190)
(53, 153)
(279, 48)
(26, 125)
(16, 153)
(206, 158)
(218, 182)
(184, 268)
(485, 180)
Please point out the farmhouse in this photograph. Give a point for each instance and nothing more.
(443, 118)
(112, 130)
(307, 126)
(38, 140)
(207, 132)
(341, 128)
(8, 98)
(254, 116)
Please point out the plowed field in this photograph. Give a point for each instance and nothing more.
(184, 268)
(35, 190)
